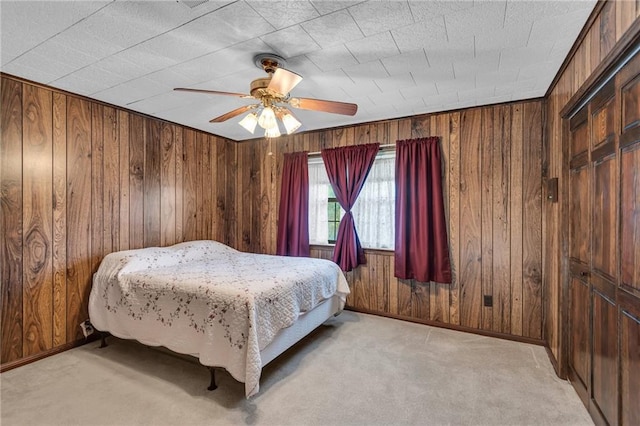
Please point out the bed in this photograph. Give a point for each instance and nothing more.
(229, 309)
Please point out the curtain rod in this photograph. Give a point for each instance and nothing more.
(389, 145)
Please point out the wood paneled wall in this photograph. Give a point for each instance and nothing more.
(493, 189)
(80, 179)
(610, 25)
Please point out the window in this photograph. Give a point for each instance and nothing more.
(373, 212)
(334, 216)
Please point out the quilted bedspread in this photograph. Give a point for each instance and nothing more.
(209, 300)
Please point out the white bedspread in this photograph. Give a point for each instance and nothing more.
(208, 300)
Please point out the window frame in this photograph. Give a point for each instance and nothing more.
(384, 152)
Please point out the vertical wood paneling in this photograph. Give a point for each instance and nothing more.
(59, 219)
(11, 254)
(487, 183)
(37, 174)
(470, 277)
(439, 309)
(203, 189)
(516, 201)
(136, 181)
(189, 185)
(257, 228)
(179, 207)
(167, 185)
(220, 190)
(211, 180)
(532, 223)
(123, 141)
(454, 215)
(97, 185)
(607, 28)
(152, 166)
(78, 205)
(111, 176)
(79, 180)
(501, 220)
(594, 205)
(230, 205)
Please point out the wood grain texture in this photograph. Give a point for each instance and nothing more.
(37, 172)
(97, 186)
(59, 231)
(532, 315)
(605, 357)
(487, 149)
(579, 345)
(603, 253)
(470, 277)
(152, 170)
(125, 178)
(136, 181)
(80, 179)
(440, 298)
(630, 366)
(11, 254)
(167, 185)
(590, 185)
(472, 142)
(501, 221)
(454, 216)
(179, 193)
(516, 217)
(630, 218)
(189, 185)
(78, 220)
(111, 178)
(607, 28)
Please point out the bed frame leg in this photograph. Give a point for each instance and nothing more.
(213, 385)
(103, 340)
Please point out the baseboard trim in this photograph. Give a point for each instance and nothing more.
(58, 349)
(27, 360)
(554, 362)
(522, 339)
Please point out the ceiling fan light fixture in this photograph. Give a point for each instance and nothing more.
(249, 122)
(273, 132)
(291, 124)
(267, 119)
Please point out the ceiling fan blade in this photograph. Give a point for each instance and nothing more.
(231, 114)
(213, 92)
(283, 81)
(334, 107)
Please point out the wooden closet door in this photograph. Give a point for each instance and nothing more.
(628, 88)
(604, 118)
(579, 256)
(604, 250)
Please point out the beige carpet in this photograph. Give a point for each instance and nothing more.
(355, 370)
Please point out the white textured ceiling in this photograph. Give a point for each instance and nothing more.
(392, 58)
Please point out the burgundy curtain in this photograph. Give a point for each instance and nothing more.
(421, 246)
(293, 218)
(347, 168)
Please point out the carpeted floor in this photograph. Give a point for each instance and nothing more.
(355, 370)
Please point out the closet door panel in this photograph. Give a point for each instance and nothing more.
(605, 357)
(630, 218)
(630, 365)
(579, 333)
(579, 220)
(604, 218)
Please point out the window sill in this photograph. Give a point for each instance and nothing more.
(366, 250)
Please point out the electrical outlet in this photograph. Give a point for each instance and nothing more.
(488, 300)
(87, 328)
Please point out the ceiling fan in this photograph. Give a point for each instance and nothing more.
(273, 94)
